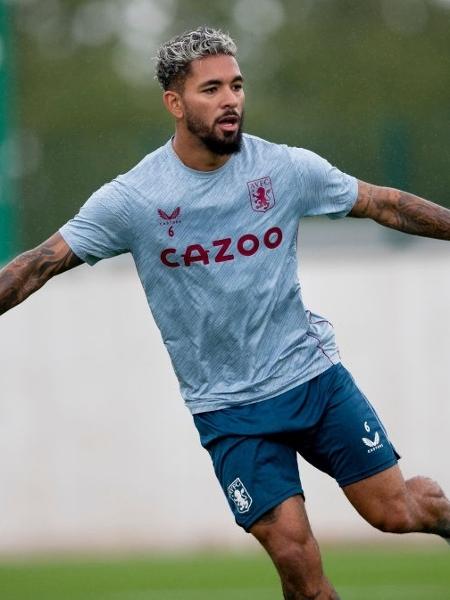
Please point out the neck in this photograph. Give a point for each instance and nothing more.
(194, 154)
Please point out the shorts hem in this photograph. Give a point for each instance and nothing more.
(268, 506)
(373, 471)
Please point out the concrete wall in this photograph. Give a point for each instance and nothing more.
(97, 450)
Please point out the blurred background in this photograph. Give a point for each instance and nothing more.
(366, 84)
(97, 452)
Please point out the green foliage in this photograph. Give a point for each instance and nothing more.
(362, 83)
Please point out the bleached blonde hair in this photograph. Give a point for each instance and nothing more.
(174, 57)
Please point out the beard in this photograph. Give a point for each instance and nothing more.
(229, 142)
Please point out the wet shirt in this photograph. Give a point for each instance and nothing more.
(216, 254)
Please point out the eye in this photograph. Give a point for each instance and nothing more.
(237, 87)
(209, 90)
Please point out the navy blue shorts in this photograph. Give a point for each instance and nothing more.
(327, 420)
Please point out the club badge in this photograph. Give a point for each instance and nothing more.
(238, 493)
(261, 194)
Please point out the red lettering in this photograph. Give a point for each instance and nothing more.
(201, 256)
(249, 237)
(247, 245)
(277, 241)
(165, 260)
(224, 245)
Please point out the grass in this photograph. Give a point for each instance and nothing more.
(359, 573)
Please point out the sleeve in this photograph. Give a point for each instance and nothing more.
(323, 189)
(101, 228)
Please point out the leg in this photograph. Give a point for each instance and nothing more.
(351, 445)
(286, 535)
(390, 503)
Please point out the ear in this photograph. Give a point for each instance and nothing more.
(173, 103)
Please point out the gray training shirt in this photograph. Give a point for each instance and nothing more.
(216, 254)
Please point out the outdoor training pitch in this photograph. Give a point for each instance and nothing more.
(359, 573)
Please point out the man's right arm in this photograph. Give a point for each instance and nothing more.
(31, 270)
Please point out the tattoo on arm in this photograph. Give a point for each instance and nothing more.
(402, 211)
(31, 270)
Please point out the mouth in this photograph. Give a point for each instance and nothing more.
(229, 123)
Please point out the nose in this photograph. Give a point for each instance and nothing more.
(230, 98)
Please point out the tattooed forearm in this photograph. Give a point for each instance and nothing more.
(31, 270)
(403, 211)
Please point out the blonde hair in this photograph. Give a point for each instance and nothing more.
(175, 56)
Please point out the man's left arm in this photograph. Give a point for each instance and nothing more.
(401, 210)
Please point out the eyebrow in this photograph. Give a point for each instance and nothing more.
(220, 81)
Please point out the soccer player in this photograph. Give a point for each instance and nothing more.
(211, 220)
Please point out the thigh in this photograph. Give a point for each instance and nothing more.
(286, 535)
(349, 443)
(256, 474)
(285, 522)
(379, 496)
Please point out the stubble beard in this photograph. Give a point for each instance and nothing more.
(229, 143)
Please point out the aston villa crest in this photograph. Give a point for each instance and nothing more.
(239, 495)
(261, 194)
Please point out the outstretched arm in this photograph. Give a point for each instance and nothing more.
(400, 210)
(31, 270)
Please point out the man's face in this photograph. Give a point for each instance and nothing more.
(213, 103)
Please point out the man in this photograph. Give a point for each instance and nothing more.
(211, 219)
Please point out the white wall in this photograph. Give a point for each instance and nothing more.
(97, 450)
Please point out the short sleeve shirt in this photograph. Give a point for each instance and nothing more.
(216, 254)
